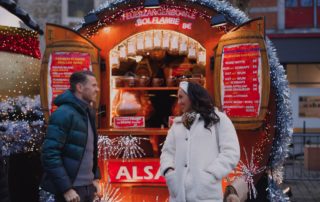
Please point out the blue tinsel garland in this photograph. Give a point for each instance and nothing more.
(278, 81)
(21, 125)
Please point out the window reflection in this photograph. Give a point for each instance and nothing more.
(291, 3)
(306, 3)
(79, 8)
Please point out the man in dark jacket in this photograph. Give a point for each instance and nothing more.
(4, 189)
(69, 151)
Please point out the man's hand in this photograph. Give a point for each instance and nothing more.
(71, 196)
(232, 198)
(96, 184)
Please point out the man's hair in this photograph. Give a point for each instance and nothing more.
(79, 77)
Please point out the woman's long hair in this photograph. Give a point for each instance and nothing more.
(202, 103)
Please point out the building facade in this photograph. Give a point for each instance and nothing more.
(294, 28)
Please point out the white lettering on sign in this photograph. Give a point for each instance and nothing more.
(157, 21)
(172, 12)
(123, 172)
(147, 174)
(186, 25)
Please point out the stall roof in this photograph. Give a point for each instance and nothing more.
(297, 48)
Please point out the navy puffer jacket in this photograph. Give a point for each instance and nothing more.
(65, 143)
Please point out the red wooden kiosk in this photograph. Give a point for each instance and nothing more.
(139, 55)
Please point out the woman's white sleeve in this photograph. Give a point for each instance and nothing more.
(168, 152)
(229, 155)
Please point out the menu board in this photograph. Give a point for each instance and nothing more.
(61, 66)
(241, 80)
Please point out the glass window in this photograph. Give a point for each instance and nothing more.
(306, 3)
(79, 8)
(318, 2)
(291, 3)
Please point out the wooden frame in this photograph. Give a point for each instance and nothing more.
(62, 39)
(246, 33)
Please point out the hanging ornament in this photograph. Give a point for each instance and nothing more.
(166, 40)
(174, 43)
(140, 43)
(148, 41)
(132, 46)
(192, 50)
(123, 52)
(114, 59)
(157, 38)
(183, 45)
(201, 57)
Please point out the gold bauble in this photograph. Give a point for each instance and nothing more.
(19, 75)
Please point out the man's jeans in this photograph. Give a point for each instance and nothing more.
(86, 193)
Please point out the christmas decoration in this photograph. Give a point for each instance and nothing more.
(21, 126)
(110, 194)
(128, 147)
(19, 75)
(19, 40)
(45, 196)
(143, 43)
(275, 193)
(105, 147)
(249, 170)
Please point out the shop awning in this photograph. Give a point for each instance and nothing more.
(299, 48)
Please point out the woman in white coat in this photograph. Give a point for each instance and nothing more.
(200, 149)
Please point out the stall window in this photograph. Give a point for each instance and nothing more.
(299, 14)
(291, 3)
(306, 3)
(79, 8)
(73, 11)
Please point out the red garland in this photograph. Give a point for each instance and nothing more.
(25, 45)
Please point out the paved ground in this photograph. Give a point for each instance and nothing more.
(304, 191)
(304, 184)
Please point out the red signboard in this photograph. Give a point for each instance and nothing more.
(129, 122)
(61, 66)
(241, 76)
(138, 171)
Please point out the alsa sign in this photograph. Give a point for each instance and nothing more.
(135, 171)
(161, 16)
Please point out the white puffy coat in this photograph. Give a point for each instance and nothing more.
(199, 162)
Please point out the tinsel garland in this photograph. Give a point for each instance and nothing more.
(275, 193)
(21, 125)
(19, 40)
(278, 82)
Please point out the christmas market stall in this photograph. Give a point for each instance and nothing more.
(140, 51)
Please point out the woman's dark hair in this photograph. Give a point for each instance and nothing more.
(79, 77)
(202, 103)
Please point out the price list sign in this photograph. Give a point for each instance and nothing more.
(61, 66)
(241, 80)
